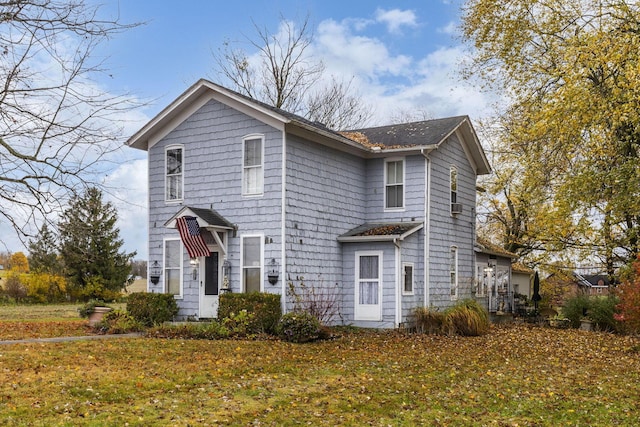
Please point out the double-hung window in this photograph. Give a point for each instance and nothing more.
(453, 271)
(252, 263)
(173, 267)
(407, 278)
(252, 165)
(173, 173)
(394, 184)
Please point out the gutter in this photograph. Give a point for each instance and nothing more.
(427, 226)
(398, 267)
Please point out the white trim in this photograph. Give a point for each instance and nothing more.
(404, 186)
(164, 173)
(252, 137)
(413, 278)
(457, 182)
(260, 237)
(283, 224)
(375, 314)
(427, 230)
(164, 267)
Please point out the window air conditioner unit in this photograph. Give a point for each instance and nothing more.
(456, 208)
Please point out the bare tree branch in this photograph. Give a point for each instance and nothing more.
(56, 126)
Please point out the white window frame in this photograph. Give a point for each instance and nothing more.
(259, 190)
(165, 268)
(400, 160)
(365, 311)
(453, 272)
(453, 185)
(166, 174)
(404, 278)
(260, 238)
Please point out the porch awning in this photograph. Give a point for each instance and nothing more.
(208, 223)
(381, 232)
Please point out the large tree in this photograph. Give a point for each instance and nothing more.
(55, 124)
(570, 71)
(283, 73)
(43, 252)
(90, 246)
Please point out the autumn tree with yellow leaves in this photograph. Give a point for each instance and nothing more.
(570, 134)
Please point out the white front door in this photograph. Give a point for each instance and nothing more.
(209, 285)
(368, 284)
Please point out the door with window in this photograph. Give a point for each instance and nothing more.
(209, 285)
(368, 295)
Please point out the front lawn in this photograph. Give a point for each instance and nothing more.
(515, 376)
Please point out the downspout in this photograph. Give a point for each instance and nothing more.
(283, 234)
(427, 226)
(398, 251)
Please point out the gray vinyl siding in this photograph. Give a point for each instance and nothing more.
(412, 252)
(212, 173)
(325, 197)
(448, 230)
(413, 191)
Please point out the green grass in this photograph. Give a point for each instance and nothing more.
(44, 312)
(512, 376)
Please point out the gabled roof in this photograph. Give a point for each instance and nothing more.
(381, 232)
(592, 280)
(206, 218)
(379, 141)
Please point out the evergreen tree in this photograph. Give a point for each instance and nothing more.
(43, 252)
(90, 247)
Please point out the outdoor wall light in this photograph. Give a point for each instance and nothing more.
(194, 264)
(226, 276)
(154, 272)
(273, 271)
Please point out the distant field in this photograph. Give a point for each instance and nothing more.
(139, 285)
(44, 312)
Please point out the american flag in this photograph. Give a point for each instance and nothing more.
(191, 238)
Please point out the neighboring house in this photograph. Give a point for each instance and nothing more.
(564, 285)
(494, 288)
(592, 284)
(522, 280)
(247, 197)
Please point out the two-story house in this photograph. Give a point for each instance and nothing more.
(247, 197)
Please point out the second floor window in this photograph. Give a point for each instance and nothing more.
(394, 184)
(252, 166)
(453, 174)
(173, 174)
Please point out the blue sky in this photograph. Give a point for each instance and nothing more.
(403, 56)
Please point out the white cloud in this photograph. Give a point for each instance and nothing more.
(398, 82)
(451, 28)
(395, 19)
(127, 191)
(354, 55)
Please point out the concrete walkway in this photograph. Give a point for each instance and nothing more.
(68, 339)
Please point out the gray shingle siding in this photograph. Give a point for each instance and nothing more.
(324, 198)
(212, 173)
(448, 230)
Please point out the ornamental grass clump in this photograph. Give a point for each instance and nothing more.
(429, 320)
(467, 318)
